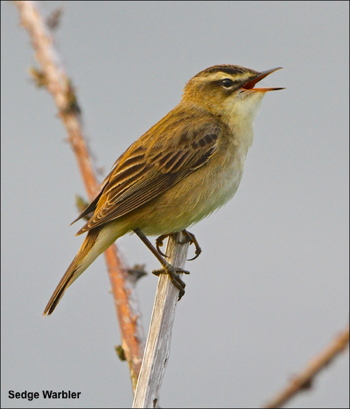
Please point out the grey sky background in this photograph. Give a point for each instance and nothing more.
(271, 287)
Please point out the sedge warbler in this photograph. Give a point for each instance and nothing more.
(186, 166)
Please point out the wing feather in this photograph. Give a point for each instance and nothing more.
(154, 164)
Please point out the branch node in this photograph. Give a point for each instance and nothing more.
(120, 352)
(137, 271)
(53, 20)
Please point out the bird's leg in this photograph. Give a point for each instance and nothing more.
(167, 267)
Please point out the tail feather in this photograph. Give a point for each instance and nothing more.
(91, 248)
(64, 283)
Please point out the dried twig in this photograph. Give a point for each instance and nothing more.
(53, 77)
(157, 348)
(306, 377)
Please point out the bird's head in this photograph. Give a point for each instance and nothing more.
(227, 90)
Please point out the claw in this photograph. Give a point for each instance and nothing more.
(191, 238)
(175, 279)
(159, 243)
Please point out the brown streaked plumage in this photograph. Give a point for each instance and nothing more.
(155, 164)
(181, 170)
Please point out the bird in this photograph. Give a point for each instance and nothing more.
(181, 170)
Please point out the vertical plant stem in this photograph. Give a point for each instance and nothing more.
(157, 348)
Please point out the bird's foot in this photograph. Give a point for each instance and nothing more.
(173, 274)
(189, 238)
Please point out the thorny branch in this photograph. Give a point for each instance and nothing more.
(52, 75)
(306, 377)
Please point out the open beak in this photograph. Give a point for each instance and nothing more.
(261, 75)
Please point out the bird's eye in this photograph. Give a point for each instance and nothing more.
(227, 83)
